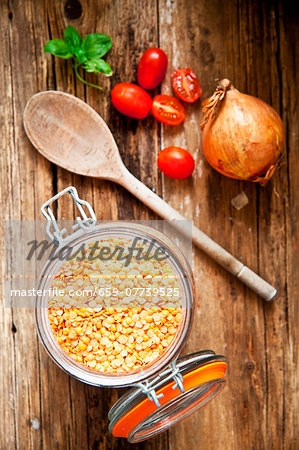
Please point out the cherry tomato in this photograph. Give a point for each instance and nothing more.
(131, 100)
(186, 85)
(168, 110)
(176, 162)
(152, 68)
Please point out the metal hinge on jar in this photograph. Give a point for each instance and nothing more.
(83, 223)
(150, 387)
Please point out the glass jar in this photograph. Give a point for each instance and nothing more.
(82, 373)
(205, 370)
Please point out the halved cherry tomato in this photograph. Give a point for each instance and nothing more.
(152, 68)
(168, 109)
(131, 100)
(186, 85)
(176, 162)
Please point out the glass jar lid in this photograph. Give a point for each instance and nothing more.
(164, 400)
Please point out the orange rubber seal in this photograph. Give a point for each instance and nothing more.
(146, 407)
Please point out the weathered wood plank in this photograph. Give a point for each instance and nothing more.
(287, 327)
(138, 149)
(21, 192)
(264, 82)
(213, 37)
(8, 391)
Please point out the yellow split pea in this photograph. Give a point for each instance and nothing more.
(127, 318)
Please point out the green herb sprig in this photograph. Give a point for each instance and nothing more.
(87, 52)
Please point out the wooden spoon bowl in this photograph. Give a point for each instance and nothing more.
(70, 133)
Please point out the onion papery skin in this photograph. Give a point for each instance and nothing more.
(242, 136)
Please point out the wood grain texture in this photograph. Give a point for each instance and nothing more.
(255, 45)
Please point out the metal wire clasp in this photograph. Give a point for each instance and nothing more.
(150, 391)
(177, 377)
(84, 223)
(149, 387)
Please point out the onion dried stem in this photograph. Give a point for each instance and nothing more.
(210, 109)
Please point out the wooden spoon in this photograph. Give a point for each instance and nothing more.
(71, 134)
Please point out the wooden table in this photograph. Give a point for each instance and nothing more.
(253, 44)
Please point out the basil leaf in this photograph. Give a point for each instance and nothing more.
(73, 39)
(96, 45)
(98, 66)
(86, 54)
(80, 56)
(58, 47)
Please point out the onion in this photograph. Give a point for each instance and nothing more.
(242, 136)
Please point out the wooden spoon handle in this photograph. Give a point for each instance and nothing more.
(200, 239)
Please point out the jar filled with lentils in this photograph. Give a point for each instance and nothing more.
(115, 310)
